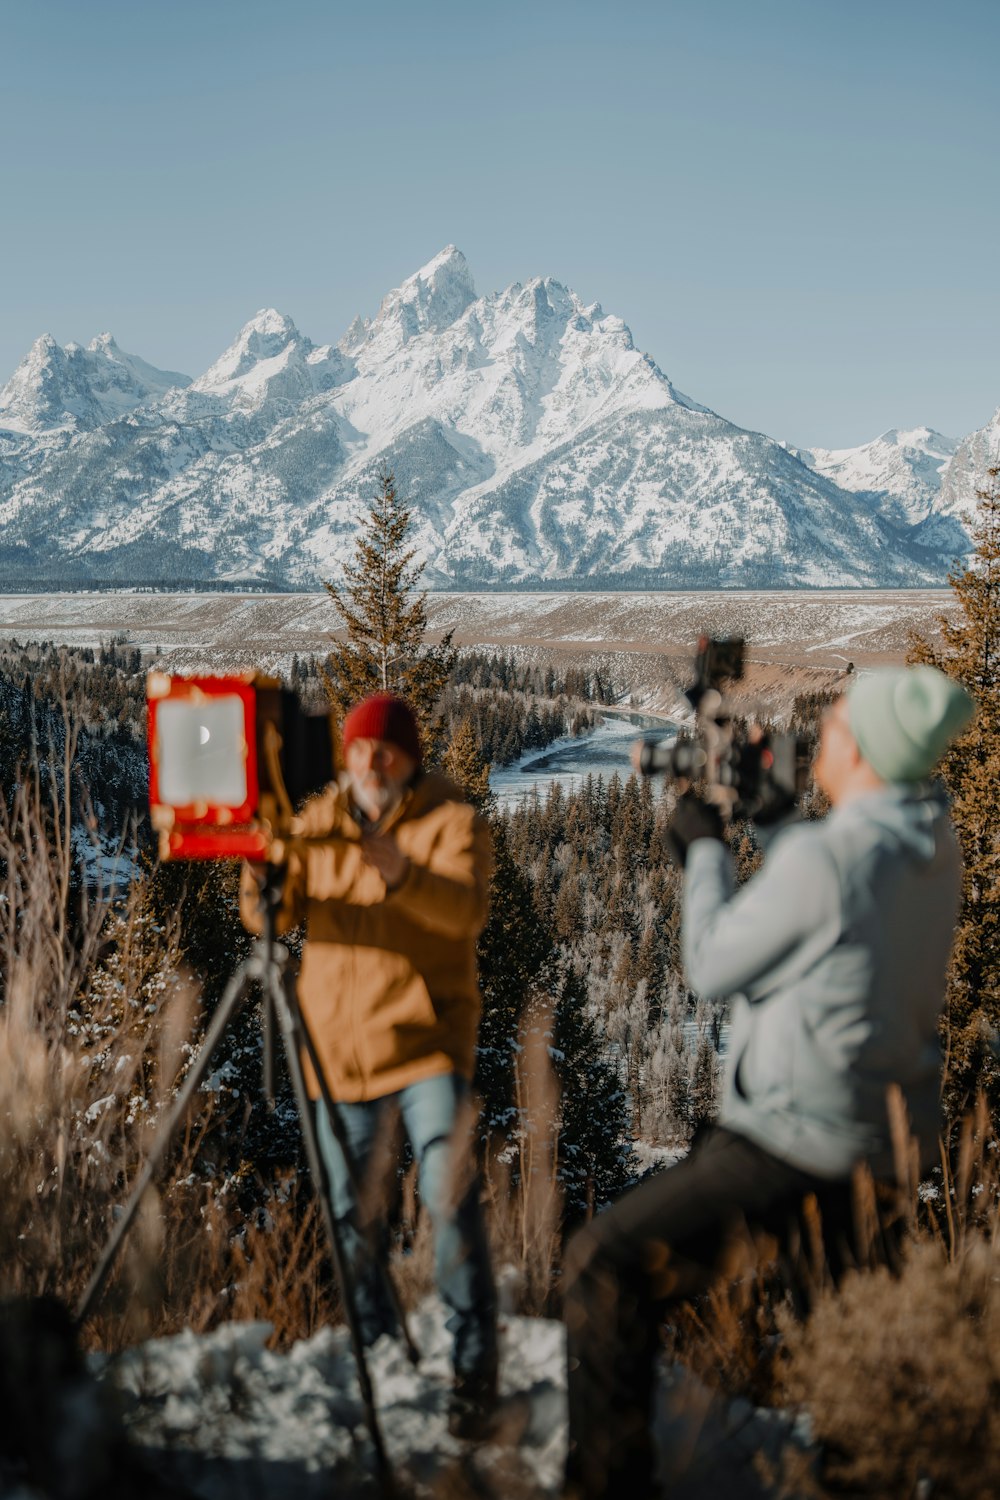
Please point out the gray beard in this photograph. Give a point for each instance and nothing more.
(375, 802)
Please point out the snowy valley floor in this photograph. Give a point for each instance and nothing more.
(797, 641)
(229, 1420)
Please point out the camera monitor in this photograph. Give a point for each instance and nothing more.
(228, 758)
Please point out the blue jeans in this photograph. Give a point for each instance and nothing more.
(433, 1111)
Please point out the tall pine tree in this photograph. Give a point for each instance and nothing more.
(386, 621)
(970, 652)
(463, 762)
(514, 946)
(522, 977)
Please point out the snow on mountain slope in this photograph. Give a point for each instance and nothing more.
(533, 440)
(709, 503)
(78, 389)
(271, 360)
(965, 475)
(906, 465)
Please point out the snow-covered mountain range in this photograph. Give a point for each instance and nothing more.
(535, 443)
(908, 466)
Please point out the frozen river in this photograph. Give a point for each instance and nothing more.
(602, 752)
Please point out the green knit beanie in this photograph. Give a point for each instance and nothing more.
(904, 719)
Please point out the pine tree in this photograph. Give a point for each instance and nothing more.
(594, 1153)
(970, 652)
(567, 912)
(386, 621)
(702, 1094)
(520, 975)
(465, 765)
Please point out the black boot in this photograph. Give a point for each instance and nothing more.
(473, 1403)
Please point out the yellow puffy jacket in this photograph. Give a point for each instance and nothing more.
(388, 984)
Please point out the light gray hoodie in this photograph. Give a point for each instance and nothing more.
(834, 955)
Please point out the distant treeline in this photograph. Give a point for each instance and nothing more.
(91, 702)
(514, 706)
(97, 695)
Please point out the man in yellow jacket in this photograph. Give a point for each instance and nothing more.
(390, 878)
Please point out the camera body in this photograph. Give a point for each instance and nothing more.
(756, 777)
(230, 759)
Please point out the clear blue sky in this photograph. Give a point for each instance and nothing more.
(794, 204)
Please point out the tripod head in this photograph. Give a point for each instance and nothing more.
(271, 887)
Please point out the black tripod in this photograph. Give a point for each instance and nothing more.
(268, 967)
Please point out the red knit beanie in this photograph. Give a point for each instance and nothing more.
(384, 717)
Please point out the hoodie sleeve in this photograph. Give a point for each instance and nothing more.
(324, 864)
(449, 894)
(741, 942)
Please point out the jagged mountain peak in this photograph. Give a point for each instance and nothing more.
(354, 336)
(429, 301)
(923, 439)
(117, 368)
(43, 353)
(268, 336)
(268, 322)
(907, 464)
(271, 360)
(448, 268)
(265, 334)
(969, 471)
(72, 388)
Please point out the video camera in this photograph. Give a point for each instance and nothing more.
(748, 777)
(230, 759)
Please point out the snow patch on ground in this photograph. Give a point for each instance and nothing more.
(233, 1418)
(227, 1417)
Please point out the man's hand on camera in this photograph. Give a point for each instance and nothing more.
(693, 819)
(382, 851)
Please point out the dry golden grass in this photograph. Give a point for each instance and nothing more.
(901, 1373)
(97, 1026)
(524, 1206)
(521, 1196)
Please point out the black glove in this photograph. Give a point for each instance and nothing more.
(773, 805)
(693, 819)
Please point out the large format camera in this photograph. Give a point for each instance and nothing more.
(230, 759)
(748, 776)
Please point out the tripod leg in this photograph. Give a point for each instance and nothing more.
(412, 1351)
(291, 1041)
(267, 1028)
(233, 999)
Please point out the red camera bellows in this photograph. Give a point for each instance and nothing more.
(204, 791)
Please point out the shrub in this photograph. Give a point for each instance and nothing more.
(902, 1375)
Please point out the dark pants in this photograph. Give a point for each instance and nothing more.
(660, 1244)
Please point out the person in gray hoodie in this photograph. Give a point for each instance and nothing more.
(833, 958)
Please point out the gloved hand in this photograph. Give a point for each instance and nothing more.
(693, 819)
(773, 805)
